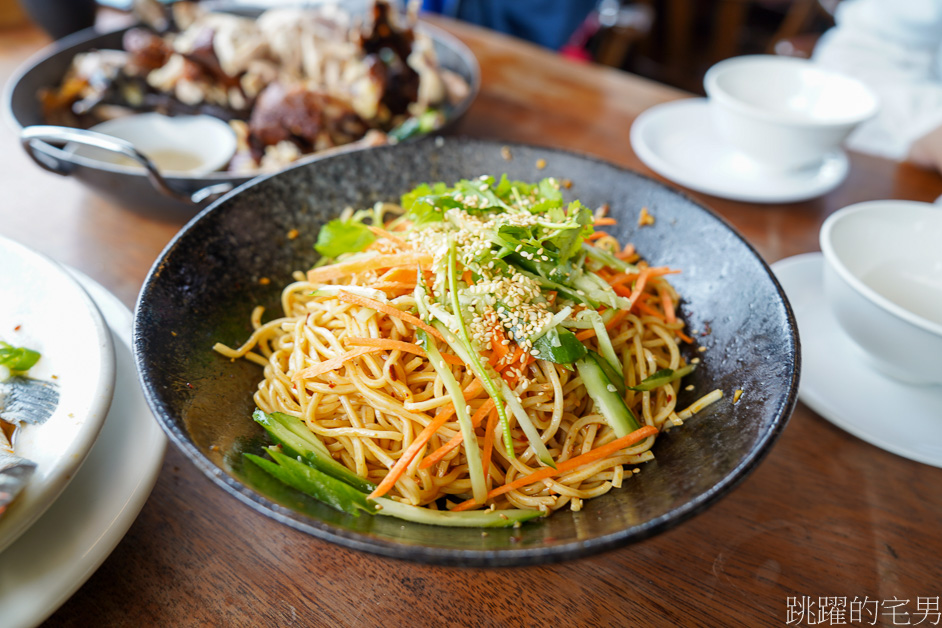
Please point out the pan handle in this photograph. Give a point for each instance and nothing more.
(61, 135)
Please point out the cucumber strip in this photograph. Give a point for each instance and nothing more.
(605, 343)
(292, 424)
(499, 400)
(616, 379)
(556, 319)
(309, 480)
(533, 435)
(471, 449)
(619, 416)
(481, 371)
(588, 284)
(349, 498)
(607, 259)
(265, 483)
(297, 439)
(465, 519)
(579, 323)
(548, 284)
(664, 376)
(466, 351)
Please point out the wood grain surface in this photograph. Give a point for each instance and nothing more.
(825, 514)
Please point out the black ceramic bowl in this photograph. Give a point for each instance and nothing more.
(205, 284)
(132, 188)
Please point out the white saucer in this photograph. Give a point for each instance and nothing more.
(51, 560)
(678, 141)
(837, 383)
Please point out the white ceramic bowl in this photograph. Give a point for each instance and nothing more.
(883, 280)
(784, 112)
(190, 145)
(45, 309)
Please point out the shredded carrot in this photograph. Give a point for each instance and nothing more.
(360, 264)
(333, 363)
(387, 343)
(420, 441)
(467, 277)
(604, 274)
(667, 304)
(601, 222)
(393, 285)
(406, 347)
(620, 279)
(568, 465)
(390, 310)
(409, 455)
(621, 291)
(639, 286)
(585, 334)
(470, 392)
(628, 251)
(684, 337)
(643, 306)
(513, 359)
(489, 442)
(382, 233)
(401, 275)
(623, 278)
(595, 235)
(498, 348)
(452, 359)
(456, 440)
(617, 318)
(523, 359)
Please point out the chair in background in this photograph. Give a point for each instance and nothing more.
(686, 37)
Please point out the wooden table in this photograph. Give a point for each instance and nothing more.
(824, 515)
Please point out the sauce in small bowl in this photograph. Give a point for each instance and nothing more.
(190, 145)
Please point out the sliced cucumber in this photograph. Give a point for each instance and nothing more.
(297, 440)
(664, 376)
(331, 491)
(614, 377)
(309, 480)
(605, 395)
(465, 519)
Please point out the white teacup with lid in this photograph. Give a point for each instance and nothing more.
(883, 281)
(783, 112)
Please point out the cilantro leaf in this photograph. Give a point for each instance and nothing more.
(343, 236)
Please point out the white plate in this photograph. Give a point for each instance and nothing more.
(43, 308)
(48, 563)
(837, 383)
(678, 141)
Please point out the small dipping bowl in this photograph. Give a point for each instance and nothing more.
(783, 112)
(883, 281)
(182, 145)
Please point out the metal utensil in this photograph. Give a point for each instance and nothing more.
(61, 135)
(15, 472)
